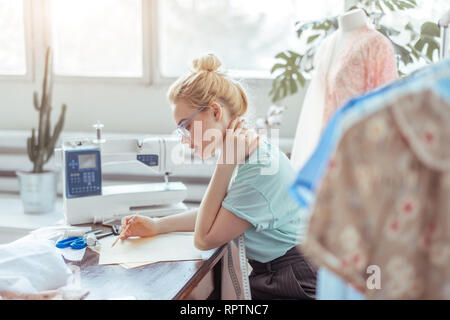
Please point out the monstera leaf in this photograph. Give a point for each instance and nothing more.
(429, 35)
(287, 82)
(292, 68)
(392, 5)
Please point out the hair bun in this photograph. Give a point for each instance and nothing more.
(207, 62)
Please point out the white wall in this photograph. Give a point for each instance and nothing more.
(122, 109)
(125, 108)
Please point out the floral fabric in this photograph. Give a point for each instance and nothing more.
(385, 202)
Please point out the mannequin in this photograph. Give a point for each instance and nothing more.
(348, 23)
(353, 60)
(352, 20)
(351, 24)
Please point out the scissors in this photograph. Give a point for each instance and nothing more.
(76, 243)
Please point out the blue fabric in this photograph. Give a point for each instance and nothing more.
(309, 177)
(436, 77)
(331, 287)
(257, 193)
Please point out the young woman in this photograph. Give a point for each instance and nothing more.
(241, 196)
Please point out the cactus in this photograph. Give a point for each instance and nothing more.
(41, 147)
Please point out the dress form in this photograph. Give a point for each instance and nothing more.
(353, 60)
(311, 116)
(348, 23)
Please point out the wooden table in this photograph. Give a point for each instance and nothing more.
(162, 281)
(194, 280)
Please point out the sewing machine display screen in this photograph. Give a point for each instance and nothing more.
(83, 173)
(86, 161)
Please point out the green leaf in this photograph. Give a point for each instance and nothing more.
(288, 81)
(379, 6)
(387, 31)
(277, 66)
(312, 38)
(430, 29)
(389, 5)
(282, 55)
(428, 37)
(403, 52)
(432, 45)
(407, 5)
(412, 2)
(300, 78)
(293, 85)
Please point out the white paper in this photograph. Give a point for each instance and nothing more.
(173, 246)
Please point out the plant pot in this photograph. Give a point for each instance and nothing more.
(38, 191)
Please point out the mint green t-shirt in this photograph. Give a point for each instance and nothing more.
(258, 193)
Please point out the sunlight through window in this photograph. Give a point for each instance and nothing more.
(101, 38)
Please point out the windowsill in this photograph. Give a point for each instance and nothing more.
(158, 81)
(26, 78)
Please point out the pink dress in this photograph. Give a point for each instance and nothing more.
(365, 65)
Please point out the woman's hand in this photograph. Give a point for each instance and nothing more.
(238, 143)
(139, 227)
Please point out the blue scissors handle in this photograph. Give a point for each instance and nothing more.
(74, 242)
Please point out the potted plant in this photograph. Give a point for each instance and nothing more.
(38, 187)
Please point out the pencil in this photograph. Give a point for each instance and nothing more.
(124, 229)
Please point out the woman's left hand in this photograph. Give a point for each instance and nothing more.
(238, 143)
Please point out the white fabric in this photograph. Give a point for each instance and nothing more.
(59, 232)
(309, 125)
(31, 265)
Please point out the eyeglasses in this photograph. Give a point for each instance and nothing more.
(181, 129)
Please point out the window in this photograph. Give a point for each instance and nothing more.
(12, 38)
(246, 35)
(116, 38)
(101, 38)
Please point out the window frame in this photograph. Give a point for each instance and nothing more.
(147, 57)
(161, 80)
(38, 36)
(29, 46)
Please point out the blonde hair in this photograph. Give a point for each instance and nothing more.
(206, 83)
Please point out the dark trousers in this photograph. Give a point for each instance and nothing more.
(290, 276)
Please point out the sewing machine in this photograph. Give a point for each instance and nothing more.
(87, 200)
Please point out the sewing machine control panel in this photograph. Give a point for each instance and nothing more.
(83, 173)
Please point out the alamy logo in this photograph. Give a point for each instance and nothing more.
(213, 144)
(374, 280)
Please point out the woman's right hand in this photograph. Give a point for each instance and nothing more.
(139, 227)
